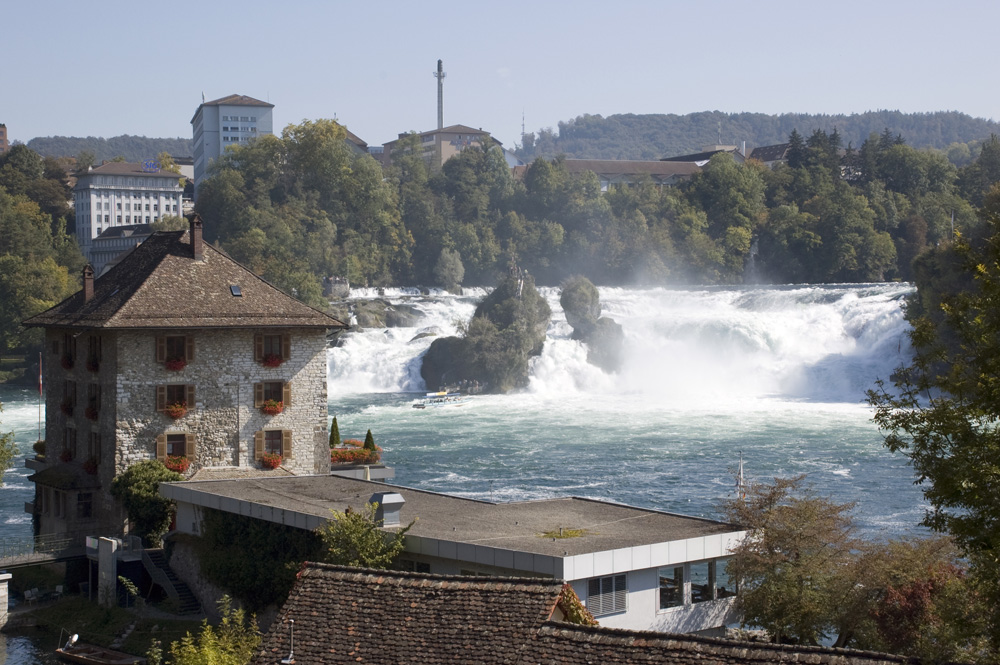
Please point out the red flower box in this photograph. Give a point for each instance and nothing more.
(272, 407)
(67, 362)
(177, 463)
(176, 410)
(271, 360)
(270, 460)
(354, 452)
(66, 455)
(90, 466)
(91, 412)
(93, 365)
(175, 364)
(66, 408)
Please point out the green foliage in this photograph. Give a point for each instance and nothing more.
(369, 441)
(170, 223)
(132, 148)
(138, 489)
(255, 561)
(233, 642)
(942, 411)
(355, 538)
(449, 271)
(581, 302)
(334, 433)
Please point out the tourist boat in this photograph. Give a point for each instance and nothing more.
(88, 654)
(439, 399)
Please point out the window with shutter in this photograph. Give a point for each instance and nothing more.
(607, 595)
(174, 393)
(161, 447)
(258, 445)
(286, 444)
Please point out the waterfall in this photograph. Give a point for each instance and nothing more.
(824, 343)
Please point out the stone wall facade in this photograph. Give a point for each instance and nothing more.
(108, 399)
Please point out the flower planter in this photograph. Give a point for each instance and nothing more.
(176, 410)
(175, 364)
(65, 456)
(271, 360)
(272, 407)
(91, 412)
(67, 362)
(270, 460)
(66, 408)
(90, 466)
(177, 463)
(93, 365)
(354, 452)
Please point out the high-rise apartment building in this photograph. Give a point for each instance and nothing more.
(223, 122)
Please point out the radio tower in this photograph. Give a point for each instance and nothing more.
(439, 75)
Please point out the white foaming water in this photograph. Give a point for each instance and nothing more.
(777, 373)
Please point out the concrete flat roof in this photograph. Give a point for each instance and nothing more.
(306, 501)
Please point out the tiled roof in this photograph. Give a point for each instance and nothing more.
(566, 644)
(160, 285)
(237, 100)
(770, 153)
(125, 231)
(619, 167)
(351, 615)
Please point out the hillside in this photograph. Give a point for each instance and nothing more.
(132, 148)
(654, 136)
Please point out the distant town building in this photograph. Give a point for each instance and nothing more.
(122, 194)
(629, 172)
(701, 158)
(439, 145)
(4, 143)
(771, 155)
(175, 354)
(223, 122)
(107, 249)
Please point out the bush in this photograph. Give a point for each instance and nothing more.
(138, 490)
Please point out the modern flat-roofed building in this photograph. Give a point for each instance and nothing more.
(123, 194)
(230, 120)
(632, 567)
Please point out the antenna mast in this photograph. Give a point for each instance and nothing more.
(439, 75)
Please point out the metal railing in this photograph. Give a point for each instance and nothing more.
(39, 546)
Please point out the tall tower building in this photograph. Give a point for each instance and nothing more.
(223, 122)
(4, 144)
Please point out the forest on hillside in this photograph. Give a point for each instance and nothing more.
(302, 206)
(132, 148)
(655, 136)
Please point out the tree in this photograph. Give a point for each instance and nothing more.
(369, 441)
(138, 490)
(334, 433)
(233, 642)
(8, 450)
(791, 565)
(355, 538)
(449, 270)
(943, 411)
(170, 223)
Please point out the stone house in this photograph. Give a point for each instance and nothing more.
(174, 352)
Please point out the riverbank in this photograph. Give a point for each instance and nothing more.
(131, 630)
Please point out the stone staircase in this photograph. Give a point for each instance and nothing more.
(156, 565)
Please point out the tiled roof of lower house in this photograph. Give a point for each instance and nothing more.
(567, 644)
(161, 285)
(351, 615)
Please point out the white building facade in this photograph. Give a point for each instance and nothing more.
(223, 122)
(123, 194)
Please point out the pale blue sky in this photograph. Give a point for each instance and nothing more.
(115, 67)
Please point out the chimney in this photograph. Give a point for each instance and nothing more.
(197, 248)
(88, 283)
(387, 507)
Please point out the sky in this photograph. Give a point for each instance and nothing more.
(109, 68)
